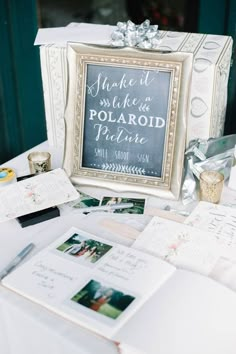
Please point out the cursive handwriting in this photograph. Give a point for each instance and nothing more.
(121, 135)
(123, 264)
(103, 83)
(41, 268)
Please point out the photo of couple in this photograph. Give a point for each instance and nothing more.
(84, 249)
(103, 299)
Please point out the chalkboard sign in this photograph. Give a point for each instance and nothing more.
(126, 111)
(124, 115)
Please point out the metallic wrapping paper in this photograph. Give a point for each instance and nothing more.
(189, 187)
(206, 155)
(212, 55)
(128, 34)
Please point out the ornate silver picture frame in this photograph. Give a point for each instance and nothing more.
(126, 118)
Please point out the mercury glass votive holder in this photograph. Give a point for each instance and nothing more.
(39, 162)
(211, 185)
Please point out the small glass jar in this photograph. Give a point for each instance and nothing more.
(39, 162)
(211, 185)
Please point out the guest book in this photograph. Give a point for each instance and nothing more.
(120, 292)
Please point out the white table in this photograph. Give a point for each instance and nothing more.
(27, 328)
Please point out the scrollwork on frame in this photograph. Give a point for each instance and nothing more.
(126, 118)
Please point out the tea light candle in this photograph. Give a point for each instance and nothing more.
(211, 185)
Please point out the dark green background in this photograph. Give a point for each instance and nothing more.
(22, 115)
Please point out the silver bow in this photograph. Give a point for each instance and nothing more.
(142, 36)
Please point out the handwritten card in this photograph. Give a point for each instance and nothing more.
(183, 246)
(36, 193)
(215, 218)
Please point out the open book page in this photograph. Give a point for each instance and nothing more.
(190, 314)
(36, 193)
(89, 280)
(183, 246)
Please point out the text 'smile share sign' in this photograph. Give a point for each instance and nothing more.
(125, 119)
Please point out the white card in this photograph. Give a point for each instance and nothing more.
(36, 193)
(183, 246)
(215, 218)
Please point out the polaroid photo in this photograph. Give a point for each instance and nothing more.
(86, 201)
(84, 249)
(127, 205)
(103, 299)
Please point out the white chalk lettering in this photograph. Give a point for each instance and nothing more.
(120, 136)
(121, 119)
(145, 79)
(126, 102)
(143, 121)
(104, 84)
(144, 158)
(131, 119)
(121, 155)
(101, 153)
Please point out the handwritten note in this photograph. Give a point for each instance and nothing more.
(48, 276)
(124, 266)
(125, 119)
(217, 219)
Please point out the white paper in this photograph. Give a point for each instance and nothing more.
(184, 246)
(225, 273)
(190, 314)
(217, 219)
(83, 32)
(64, 279)
(36, 193)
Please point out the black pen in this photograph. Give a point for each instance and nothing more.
(16, 260)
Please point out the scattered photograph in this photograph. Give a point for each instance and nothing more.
(85, 249)
(86, 201)
(127, 205)
(103, 299)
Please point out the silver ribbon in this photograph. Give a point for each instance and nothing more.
(128, 34)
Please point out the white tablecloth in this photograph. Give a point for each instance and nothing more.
(26, 327)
